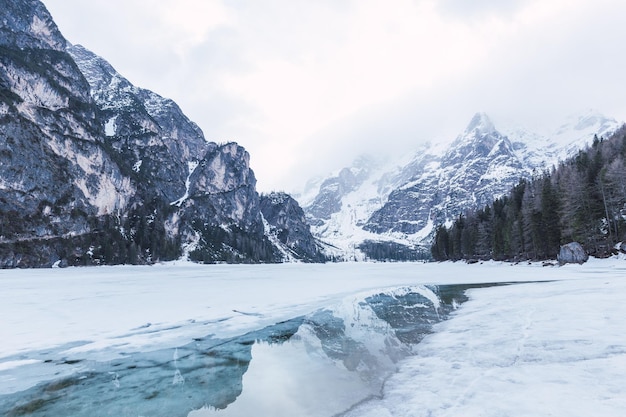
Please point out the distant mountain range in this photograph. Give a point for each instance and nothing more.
(385, 210)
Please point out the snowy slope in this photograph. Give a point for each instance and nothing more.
(403, 201)
(546, 148)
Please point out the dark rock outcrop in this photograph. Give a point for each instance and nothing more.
(287, 222)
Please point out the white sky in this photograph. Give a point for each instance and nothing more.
(307, 85)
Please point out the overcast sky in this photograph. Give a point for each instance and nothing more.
(307, 85)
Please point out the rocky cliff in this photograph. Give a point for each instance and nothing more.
(287, 224)
(96, 170)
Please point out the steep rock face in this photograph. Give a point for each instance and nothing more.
(287, 222)
(210, 189)
(55, 174)
(27, 24)
(394, 210)
(150, 137)
(220, 211)
(96, 170)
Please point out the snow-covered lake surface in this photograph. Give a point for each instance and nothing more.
(353, 339)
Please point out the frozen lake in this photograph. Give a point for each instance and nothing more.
(358, 339)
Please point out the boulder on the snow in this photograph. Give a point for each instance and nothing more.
(622, 247)
(572, 253)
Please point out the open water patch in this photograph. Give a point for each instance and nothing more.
(319, 364)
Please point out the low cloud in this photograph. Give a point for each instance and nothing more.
(307, 86)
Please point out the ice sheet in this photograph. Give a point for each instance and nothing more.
(134, 308)
(550, 349)
(494, 345)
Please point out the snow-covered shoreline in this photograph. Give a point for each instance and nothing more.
(548, 349)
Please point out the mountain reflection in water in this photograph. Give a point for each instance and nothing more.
(319, 364)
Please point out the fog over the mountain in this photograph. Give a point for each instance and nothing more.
(306, 86)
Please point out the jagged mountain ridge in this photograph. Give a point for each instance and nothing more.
(149, 131)
(96, 170)
(401, 203)
(478, 165)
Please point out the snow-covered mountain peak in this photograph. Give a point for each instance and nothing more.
(479, 140)
(590, 120)
(480, 125)
(111, 90)
(546, 147)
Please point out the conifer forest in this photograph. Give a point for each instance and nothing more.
(581, 200)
